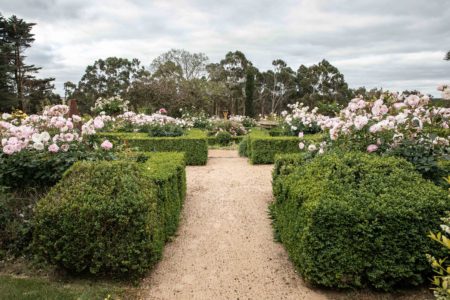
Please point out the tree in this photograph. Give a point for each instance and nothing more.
(187, 65)
(106, 78)
(7, 96)
(283, 85)
(233, 69)
(249, 93)
(322, 82)
(447, 56)
(17, 34)
(69, 89)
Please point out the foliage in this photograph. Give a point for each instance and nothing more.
(322, 83)
(194, 144)
(163, 130)
(223, 138)
(42, 169)
(18, 84)
(233, 127)
(110, 217)
(110, 106)
(243, 147)
(440, 266)
(194, 119)
(349, 220)
(262, 148)
(249, 94)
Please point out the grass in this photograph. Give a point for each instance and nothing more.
(24, 288)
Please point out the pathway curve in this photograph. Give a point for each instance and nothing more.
(225, 247)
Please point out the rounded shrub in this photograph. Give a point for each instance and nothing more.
(223, 138)
(100, 218)
(358, 220)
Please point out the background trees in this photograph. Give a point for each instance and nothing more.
(19, 86)
(176, 79)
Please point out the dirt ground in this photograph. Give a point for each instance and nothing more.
(224, 248)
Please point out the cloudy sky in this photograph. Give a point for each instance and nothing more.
(375, 43)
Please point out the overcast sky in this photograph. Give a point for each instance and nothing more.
(395, 44)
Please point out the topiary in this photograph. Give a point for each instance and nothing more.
(100, 218)
(350, 220)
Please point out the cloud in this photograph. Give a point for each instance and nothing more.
(395, 44)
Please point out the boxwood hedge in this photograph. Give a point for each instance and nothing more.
(356, 220)
(262, 147)
(111, 217)
(194, 144)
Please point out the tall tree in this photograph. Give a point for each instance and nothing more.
(283, 84)
(234, 68)
(447, 56)
(189, 65)
(322, 82)
(249, 93)
(105, 78)
(17, 33)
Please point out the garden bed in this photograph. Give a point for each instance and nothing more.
(194, 144)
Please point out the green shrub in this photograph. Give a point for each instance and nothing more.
(243, 147)
(111, 217)
(223, 138)
(358, 220)
(262, 147)
(194, 144)
(163, 130)
(41, 168)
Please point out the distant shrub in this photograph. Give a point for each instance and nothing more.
(356, 220)
(243, 147)
(163, 130)
(223, 138)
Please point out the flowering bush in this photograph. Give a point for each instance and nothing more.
(232, 127)
(445, 89)
(39, 148)
(196, 119)
(111, 106)
(301, 119)
(246, 121)
(393, 125)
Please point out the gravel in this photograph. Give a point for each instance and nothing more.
(224, 248)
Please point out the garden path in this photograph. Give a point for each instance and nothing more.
(225, 248)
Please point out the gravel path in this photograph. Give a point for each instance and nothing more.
(225, 247)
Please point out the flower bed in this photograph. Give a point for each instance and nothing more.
(194, 144)
(261, 147)
(355, 219)
(111, 217)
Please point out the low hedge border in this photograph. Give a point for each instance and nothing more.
(194, 144)
(212, 140)
(261, 147)
(111, 217)
(356, 220)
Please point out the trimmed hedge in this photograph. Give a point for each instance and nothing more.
(194, 144)
(111, 217)
(357, 220)
(261, 147)
(212, 140)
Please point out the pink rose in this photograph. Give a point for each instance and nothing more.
(53, 148)
(8, 149)
(372, 148)
(107, 145)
